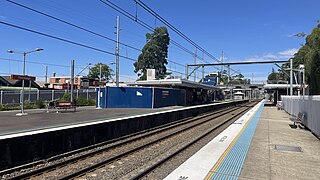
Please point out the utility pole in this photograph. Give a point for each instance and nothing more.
(117, 51)
(291, 78)
(301, 69)
(195, 62)
(202, 73)
(303, 82)
(228, 74)
(72, 80)
(99, 92)
(46, 74)
(252, 79)
(187, 71)
(222, 57)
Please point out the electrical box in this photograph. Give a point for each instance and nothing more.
(152, 74)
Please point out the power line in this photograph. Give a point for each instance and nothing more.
(145, 25)
(84, 29)
(153, 13)
(71, 24)
(64, 40)
(140, 22)
(34, 62)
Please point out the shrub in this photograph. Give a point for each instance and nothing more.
(39, 104)
(82, 101)
(66, 97)
(91, 102)
(28, 105)
(2, 108)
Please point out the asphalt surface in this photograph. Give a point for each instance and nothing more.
(40, 119)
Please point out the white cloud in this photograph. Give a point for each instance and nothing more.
(276, 56)
(289, 52)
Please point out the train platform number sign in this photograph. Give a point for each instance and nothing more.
(21, 77)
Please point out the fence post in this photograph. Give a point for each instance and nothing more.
(77, 93)
(38, 95)
(21, 96)
(87, 94)
(52, 95)
(1, 97)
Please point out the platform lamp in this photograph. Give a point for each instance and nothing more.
(24, 73)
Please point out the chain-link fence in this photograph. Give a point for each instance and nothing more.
(14, 97)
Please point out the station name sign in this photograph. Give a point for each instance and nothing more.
(21, 77)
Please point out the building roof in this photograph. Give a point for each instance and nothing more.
(17, 83)
(280, 86)
(238, 93)
(173, 83)
(4, 82)
(11, 81)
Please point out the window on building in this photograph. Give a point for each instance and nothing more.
(57, 80)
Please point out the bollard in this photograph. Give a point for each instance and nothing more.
(52, 95)
(38, 95)
(1, 97)
(87, 94)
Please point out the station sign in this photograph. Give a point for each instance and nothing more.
(21, 77)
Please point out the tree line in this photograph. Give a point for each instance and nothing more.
(309, 56)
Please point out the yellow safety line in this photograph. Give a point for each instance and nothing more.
(222, 157)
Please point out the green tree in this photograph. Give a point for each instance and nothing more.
(273, 76)
(106, 71)
(154, 53)
(309, 55)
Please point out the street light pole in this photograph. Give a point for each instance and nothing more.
(117, 52)
(24, 73)
(99, 92)
(22, 95)
(291, 77)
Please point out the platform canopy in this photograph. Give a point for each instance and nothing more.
(175, 83)
(280, 86)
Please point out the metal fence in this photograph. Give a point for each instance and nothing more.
(309, 105)
(14, 97)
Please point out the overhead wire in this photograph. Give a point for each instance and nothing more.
(79, 27)
(145, 25)
(153, 13)
(35, 62)
(65, 40)
(157, 16)
(84, 29)
(71, 24)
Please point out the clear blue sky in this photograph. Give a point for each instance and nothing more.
(244, 30)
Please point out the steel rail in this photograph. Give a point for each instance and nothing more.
(146, 133)
(159, 163)
(109, 160)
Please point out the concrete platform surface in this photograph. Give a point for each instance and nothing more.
(40, 119)
(265, 161)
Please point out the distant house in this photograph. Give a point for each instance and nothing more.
(6, 81)
(64, 82)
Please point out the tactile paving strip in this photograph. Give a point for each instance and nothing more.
(230, 167)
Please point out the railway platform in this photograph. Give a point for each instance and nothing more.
(259, 145)
(39, 119)
(40, 135)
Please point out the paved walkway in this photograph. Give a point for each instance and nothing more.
(264, 161)
(39, 119)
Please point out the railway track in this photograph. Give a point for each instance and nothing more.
(79, 163)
